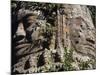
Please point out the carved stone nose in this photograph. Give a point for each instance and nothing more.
(20, 30)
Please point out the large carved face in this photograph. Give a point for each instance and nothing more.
(26, 26)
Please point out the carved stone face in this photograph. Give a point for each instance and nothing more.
(26, 27)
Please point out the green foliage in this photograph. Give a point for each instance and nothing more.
(68, 60)
(86, 65)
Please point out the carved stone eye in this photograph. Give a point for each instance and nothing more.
(79, 36)
(80, 30)
(76, 42)
(81, 25)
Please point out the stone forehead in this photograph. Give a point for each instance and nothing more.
(22, 13)
(31, 15)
